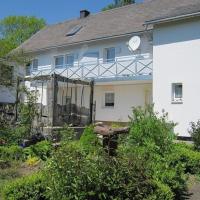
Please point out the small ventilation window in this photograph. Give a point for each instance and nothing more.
(74, 30)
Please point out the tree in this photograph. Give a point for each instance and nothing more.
(118, 3)
(14, 30)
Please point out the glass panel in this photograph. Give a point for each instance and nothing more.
(70, 60)
(110, 56)
(109, 99)
(178, 90)
(35, 64)
(59, 61)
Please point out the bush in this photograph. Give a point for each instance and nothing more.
(195, 134)
(29, 188)
(41, 149)
(82, 170)
(148, 128)
(185, 155)
(11, 153)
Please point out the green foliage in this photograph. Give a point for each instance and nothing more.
(148, 129)
(32, 161)
(41, 150)
(28, 112)
(185, 155)
(14, 30)
(29, 188)
(11, 153)
(66, 134)
(195, 134)
(118, 3)
(82, 170)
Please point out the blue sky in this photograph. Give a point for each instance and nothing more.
(53, 11)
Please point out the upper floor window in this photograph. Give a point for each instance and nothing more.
(110, 54)
(35, 64)
(177, 92)
(59, 61)
(28, 69)
(69, 60)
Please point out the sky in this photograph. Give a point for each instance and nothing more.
(53, 11)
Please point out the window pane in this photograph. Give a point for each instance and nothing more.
(70, 60)
(59, 61)
(35, 64)
(178, 91)
(110, 55)
(109, 99)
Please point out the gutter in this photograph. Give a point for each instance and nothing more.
(169, 19)
(86, 41)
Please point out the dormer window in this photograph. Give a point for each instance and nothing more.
(59, 61)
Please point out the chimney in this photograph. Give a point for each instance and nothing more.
(84, 13)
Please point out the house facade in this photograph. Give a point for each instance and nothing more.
(163, 70)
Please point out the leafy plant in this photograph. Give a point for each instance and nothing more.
(32, 161)
(147, 128)
(195, 134)
(30, 188)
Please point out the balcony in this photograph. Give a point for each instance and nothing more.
(126, 68)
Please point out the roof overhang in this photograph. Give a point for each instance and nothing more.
(173, 18)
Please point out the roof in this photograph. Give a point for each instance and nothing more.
(112, 23)
(177, 14)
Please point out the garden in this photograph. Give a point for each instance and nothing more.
(147, 164)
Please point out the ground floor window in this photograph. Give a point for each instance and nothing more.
(177, 92)
(109, 99)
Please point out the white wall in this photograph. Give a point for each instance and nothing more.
(176, 58)
(8, 94)
(126, 97)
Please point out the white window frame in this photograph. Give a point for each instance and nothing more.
(176, 99)
(65, 60)
(106, 59)
(109, 106)
(59, 66)
(32, 64)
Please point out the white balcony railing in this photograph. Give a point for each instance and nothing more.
(93, 70)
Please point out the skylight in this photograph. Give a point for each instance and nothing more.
(74, 30)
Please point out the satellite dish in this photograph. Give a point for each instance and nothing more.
(134, 43)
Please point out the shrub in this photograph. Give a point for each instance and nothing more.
(41, 149)
(147, 127)
(81, 171)
(185, 155)
(32, 161)
(29, 188)
(195, 134)
(11, 153)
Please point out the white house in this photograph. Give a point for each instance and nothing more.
(163, 70)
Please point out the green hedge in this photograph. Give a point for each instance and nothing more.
(29, 188)
(188, 157)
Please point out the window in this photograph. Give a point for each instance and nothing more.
(110, 54)
(28, 69)
(35, 64)
(177, 92)
(69, 59)
(109, 99)
(59, 61)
